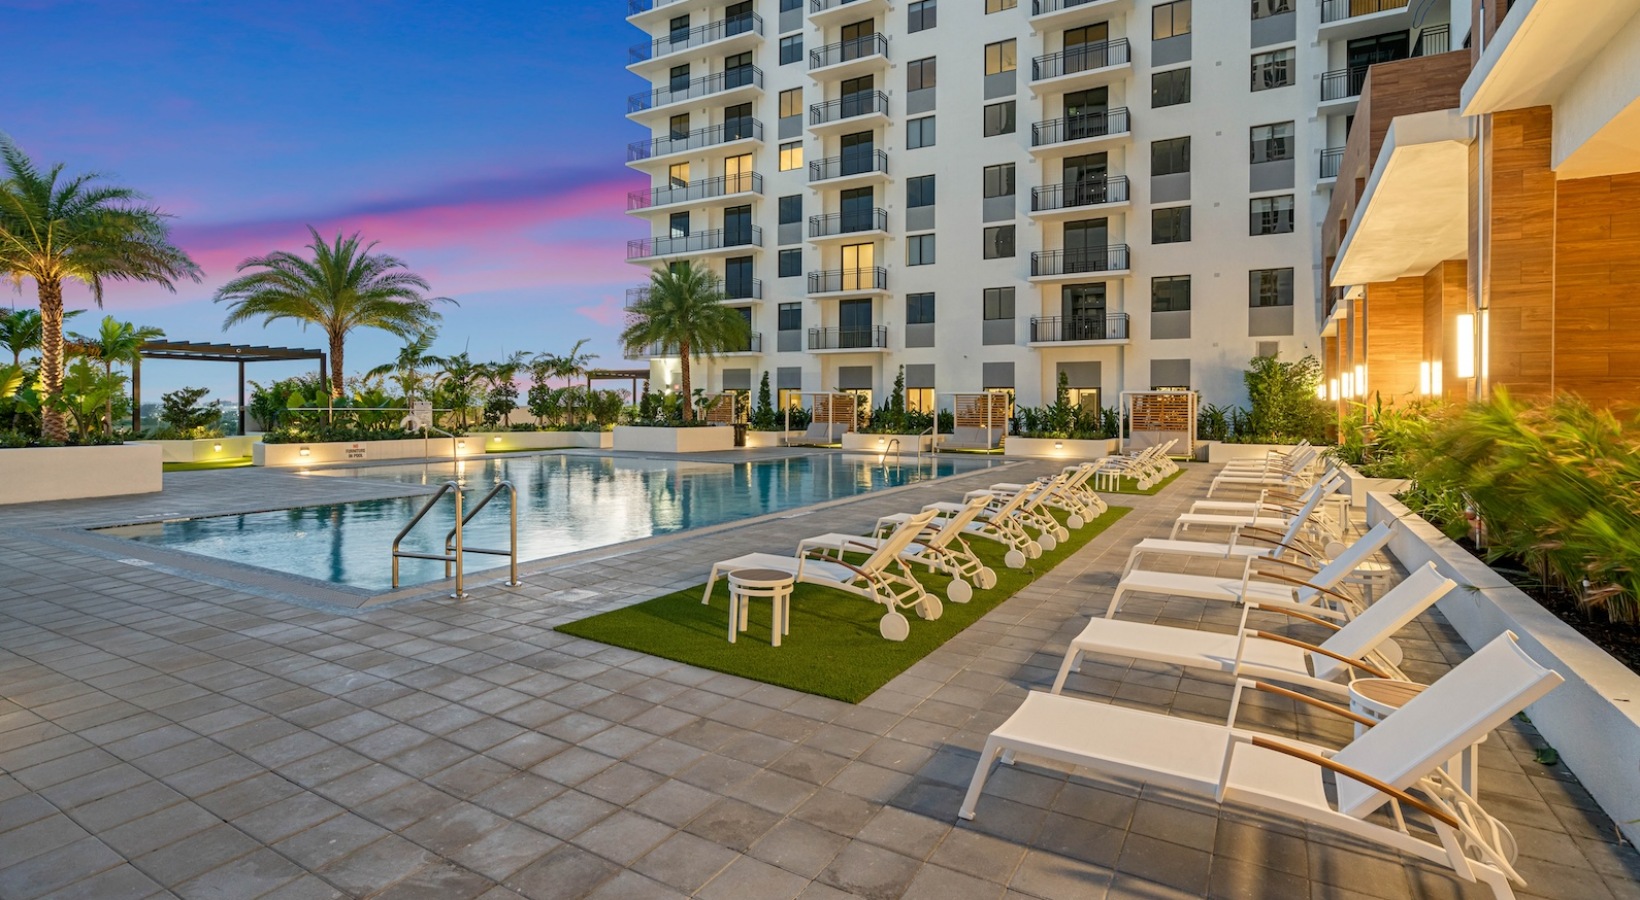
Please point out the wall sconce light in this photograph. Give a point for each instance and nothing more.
(1320, 392)
(1059, 445)
(1360, 381)
(1347, 385)
(1466, 345)
(461, 445)
(879, 442)
(303, 452)
(1332, 389)
(496, 439)
(1426, 375)
(217, 447)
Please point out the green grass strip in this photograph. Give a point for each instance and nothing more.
(834, 649)
(239, 463)
(1131, 486)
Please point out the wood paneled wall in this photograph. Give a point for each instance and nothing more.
(1445, 298)
(1395, 338)
(1519, 254)
(1596, 281)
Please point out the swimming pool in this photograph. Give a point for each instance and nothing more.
(566, 502)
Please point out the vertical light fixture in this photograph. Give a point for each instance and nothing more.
(1332, 389)
(1425, 373)
(1466, 345)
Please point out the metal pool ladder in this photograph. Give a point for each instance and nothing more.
(455, 548)
(893, 447)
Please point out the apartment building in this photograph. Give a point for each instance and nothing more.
(1486, 228)
(993, 193)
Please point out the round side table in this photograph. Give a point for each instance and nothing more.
(773, 584)
(1376, 698)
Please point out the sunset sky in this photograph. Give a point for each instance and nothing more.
(481, 142)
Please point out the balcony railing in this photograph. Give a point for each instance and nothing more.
(844, 166)
(649, 351)
(1052, 329)
(1082, 58)
(819, 6)
(840, 281)
(1113, 258)
(1112, 189)
(736, 289)
(1083, 125)
(1341, 84)
(704, 86)
(752, 344)
(700, 138)
(1339, 10)
(699, 242)
(848, 51)
(694, 191)
(1042, 7)
(854, 105)
(869, 338)
(1331, 159)
(1433, 41)
(834, 224)
(710, 33)
(634, 7)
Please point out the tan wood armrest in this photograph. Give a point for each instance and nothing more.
(1300, 615)
(1288, 579)
(1333, 708)
(820, 555)
(1288, 563)
(1303, 645)
(1357, 775)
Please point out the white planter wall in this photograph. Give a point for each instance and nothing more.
(1053, 448)
(1220, 452)
(765, 439)
(205, 449)
(1593, 719)
(1359, 486)
(35, 474)
(674, 440)
(362, 451)
(878, 443)
(508, 441)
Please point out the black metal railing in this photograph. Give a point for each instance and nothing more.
(1083, 125)
(834, 224)
(694, 191)
(1341, 84)
(737, 130)
(1080, 59)
(862, 104)
(848, 51)
(1433, 41)
(1112, 258)
(674, 41)
(820, 6)
(648, 351)
(1111, 189)
(752, 344)
(868, 338)
(699, 242)
(743, 289)
(1339, 10)
(1331, 159)
(851, 164)
(1042, 7)
(1275, 221)
(840, 281)
(1052, 329)
(704, 86)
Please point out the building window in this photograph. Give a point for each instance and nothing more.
(1170, 20)
(999, 118)
(1170, 88)
(920, 74)
(791, 317)
(791, 209)
(791, 49)
(1270, 287)
(919, 250)
(1263, 9)
(1272, 70)
(999, 242)
(1170, 293)
(1170, 226)
(919, 309)
(999, 303)
(919, 133)
(791, 103)
(789, 5)
(992, 6)
(919, 191)
(1170, 157)
(1270, 143)
(678, 224)
(791, 398)
(1271, 215)
(791, 263)
(999, 57)
(791, 156)
(921, 16)
(919, 400)
(999, 180)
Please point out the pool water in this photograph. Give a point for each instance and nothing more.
(566, 503)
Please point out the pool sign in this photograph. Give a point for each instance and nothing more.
(355, 452)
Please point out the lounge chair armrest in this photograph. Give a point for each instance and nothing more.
(1288, 579)
(1334, 626)
(1288, 563)
(1338, 768)
(1313, 648)
(1335, 709)
(838, 562)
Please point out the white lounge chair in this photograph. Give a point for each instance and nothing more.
(1246, 542)
(999, 521)
(1398, 761)
(1272, 455)
(1073, 496)
(1352, 647)
(1268, 517)
(876, 579)
(1268, 497)
(1033, 513)
(1295, 473)
(940, 547)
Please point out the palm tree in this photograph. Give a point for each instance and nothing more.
(343, 287)
(405, 369)
(54, 230)
(115, 342)
(684, 310)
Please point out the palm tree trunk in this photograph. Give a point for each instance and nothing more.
(52, 424)
(108, 402)
(683, 370)
(335, 365)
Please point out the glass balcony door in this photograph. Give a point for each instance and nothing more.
(1085, 179)
(737, 226)
(1085, 243)
(857, 205)
(858, 151)
(1082, 307)
(737, 173)
(859, 263)
(857, 96)
(1085, 113)
(854, 323)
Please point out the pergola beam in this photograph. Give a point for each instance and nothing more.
(200, 351)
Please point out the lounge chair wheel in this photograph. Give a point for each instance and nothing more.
(1062, 533)
(1075, 521)
(1047, 541)
(1014, 559)
(986, 578)
(930, 607)
(1033, 549)
(894, 627)
(960, 591)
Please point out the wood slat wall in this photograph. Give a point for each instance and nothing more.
(1596, 279)
(1519, 259)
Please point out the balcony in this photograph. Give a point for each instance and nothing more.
(1078, 196)
(752, 344)
(862, 110)
(1433, 41)
(701, 242)
(1061, 137)
(1068, 265)
(744, 130)
(739, 289)
(847, 58)
(823, 12)
(1343, 86)
(848, 224)
(739, 80)
(1059, 13)
(1331, 159)
(850, 170)
(1343, 20)
(649, 351)
(848, 282)
(747, 26)
(1093, 329)
(705, 191)
(869, 338)
(1084, 66)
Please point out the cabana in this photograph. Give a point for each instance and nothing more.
(979, 421)
(831, 415)
(1152, 418)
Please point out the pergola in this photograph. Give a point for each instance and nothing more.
(207, 352)
(633, 375)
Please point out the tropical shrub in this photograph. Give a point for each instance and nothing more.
(1284, 406)
(183, 417)
(893, 418)
(1065, 420)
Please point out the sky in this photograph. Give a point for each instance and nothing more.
(483, 143)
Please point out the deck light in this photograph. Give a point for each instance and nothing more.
(496, 439)
(1466, 345)
(302, 452)
(1059, 445)
(217, 446)
(461, 445)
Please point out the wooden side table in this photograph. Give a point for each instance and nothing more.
(773, 584)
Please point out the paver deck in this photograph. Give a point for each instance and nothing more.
(167, 734)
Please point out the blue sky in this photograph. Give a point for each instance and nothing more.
(482, 142)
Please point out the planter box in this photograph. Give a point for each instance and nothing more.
(205, 449)
(1056, 448)
(1359, 486)
(1219, 452)
(765, 439)
(1594, 718)
(674, 440)
(35, 474)
(878, 443)
(326, 453)
(508, 441)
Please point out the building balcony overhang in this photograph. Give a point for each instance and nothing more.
(1047, 14)
(725, 36)
(1340, 20)
(823, 13)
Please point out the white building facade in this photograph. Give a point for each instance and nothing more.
(993, 193)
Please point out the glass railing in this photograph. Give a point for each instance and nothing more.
(700, 138)
(686, 39)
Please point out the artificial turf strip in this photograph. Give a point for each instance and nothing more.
(1131, 486)
(834, 648)
(238, 463)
